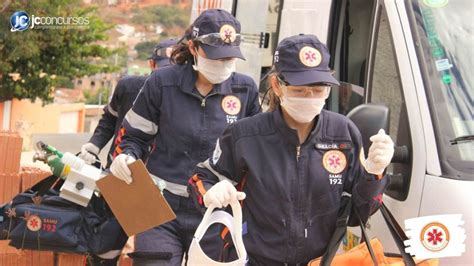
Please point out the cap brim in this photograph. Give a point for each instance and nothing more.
(163, 62)
(220, 52)
(309, 77)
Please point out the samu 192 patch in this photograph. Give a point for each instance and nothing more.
(334, 161)
(33, 223)
(231, 105)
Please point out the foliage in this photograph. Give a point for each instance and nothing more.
(99, 96)
(168, 16)
(144, 49)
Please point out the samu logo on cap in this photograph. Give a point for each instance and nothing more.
(19, 21)
(310, 56)
(227, 33)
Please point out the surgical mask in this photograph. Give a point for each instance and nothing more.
(216, 71)
(302, 109)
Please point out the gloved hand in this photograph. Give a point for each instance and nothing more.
(380, 153)
(87, 152)
(221, 194)
(119, 167)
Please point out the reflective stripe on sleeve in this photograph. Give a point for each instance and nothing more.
(138, 122)
(177, 189)
(207, 165)
(112, 111)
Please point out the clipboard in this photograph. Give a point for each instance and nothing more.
(139, 206)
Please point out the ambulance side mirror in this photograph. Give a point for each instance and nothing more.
(370, 118)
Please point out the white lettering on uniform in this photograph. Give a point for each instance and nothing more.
(231, 119)
(335, 179)
(325, 146)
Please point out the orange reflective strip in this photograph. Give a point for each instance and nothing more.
(199, 184)
(120, 133)
(224, 232)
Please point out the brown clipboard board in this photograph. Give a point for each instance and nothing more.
(138, 206)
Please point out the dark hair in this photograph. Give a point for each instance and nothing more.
(181, 54)
(273, 99)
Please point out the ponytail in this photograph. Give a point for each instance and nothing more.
(181, 54)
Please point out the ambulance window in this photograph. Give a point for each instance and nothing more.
(385, 88)
(349, 36)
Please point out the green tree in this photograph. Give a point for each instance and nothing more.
(168, 16)
(33, 61)
(100, 96)
(144, 49)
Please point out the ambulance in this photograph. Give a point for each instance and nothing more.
(412, 57)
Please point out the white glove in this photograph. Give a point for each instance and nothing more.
(380, 153)
(119, 167)
(221, 194)
(87, 152)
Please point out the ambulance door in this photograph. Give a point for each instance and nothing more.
(305, 16)
(200, 5)
(253, 18)
(394, 80)
(348, 43)
(271, 33)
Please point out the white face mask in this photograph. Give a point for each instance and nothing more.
(216, 71)
(302, 109)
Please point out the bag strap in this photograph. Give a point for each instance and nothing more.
(340, 231)
(397, 233)
(366, 238)
(341, 227)
(44, 185)
(235, 228)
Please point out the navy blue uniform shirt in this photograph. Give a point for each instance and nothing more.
(293, 190)
(186, 125)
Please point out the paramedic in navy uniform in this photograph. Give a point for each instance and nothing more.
(296, 161)
(186, 106)
(122, 100)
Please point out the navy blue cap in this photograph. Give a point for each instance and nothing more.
(302, 60)
(225, 25)
(160, 55)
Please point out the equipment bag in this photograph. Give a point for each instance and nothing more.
(39, 219)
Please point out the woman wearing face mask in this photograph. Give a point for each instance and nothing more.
(293, 162)
(184, 108)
